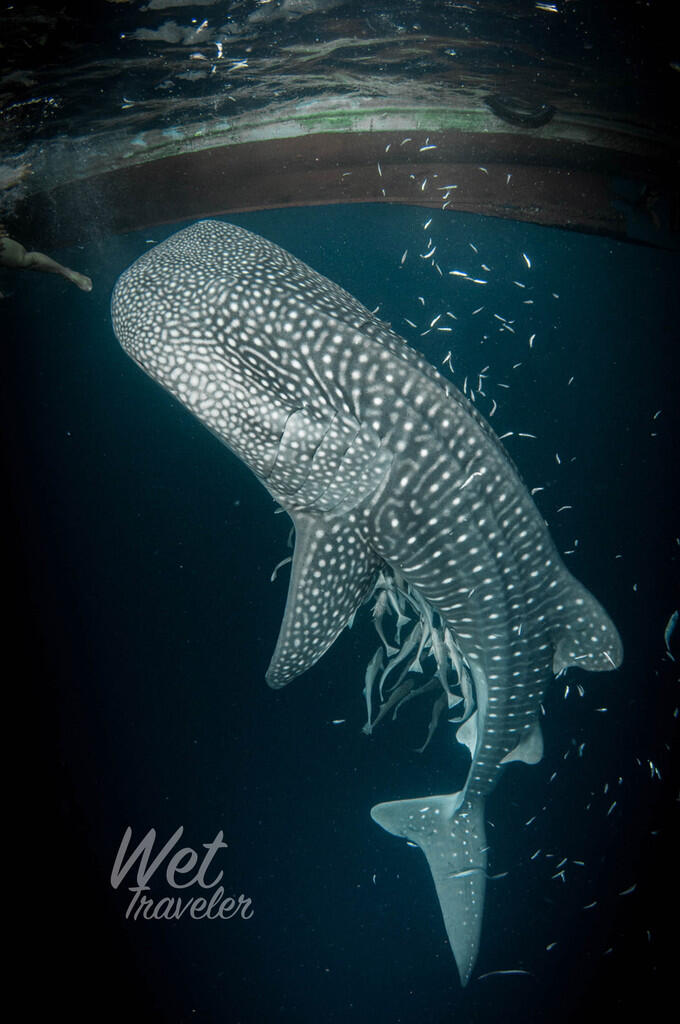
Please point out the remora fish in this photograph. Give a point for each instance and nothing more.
(393, 481)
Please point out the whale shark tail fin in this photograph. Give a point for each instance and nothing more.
(451, 834)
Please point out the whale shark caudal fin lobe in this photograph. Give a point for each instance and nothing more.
(452, 836)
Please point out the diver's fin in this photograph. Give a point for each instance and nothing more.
(453, 838)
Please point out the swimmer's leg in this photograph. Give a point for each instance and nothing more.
(39, 261)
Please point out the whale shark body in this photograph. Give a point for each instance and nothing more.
(399, 490)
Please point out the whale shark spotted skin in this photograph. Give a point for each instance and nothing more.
(397, 488)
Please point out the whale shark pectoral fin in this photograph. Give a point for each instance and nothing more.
(529, 749)
(452, 836)
(333, 571)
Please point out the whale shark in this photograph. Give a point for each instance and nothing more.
(400, 493)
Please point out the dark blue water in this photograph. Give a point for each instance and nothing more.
(143, 618)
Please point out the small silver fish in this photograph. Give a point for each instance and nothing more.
(668, 632)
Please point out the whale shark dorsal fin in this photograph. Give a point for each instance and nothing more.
(582, 633)
(333, 571)
(529, 749)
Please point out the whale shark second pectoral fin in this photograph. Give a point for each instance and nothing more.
(333, 571)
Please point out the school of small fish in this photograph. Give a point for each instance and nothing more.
(479, 386)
